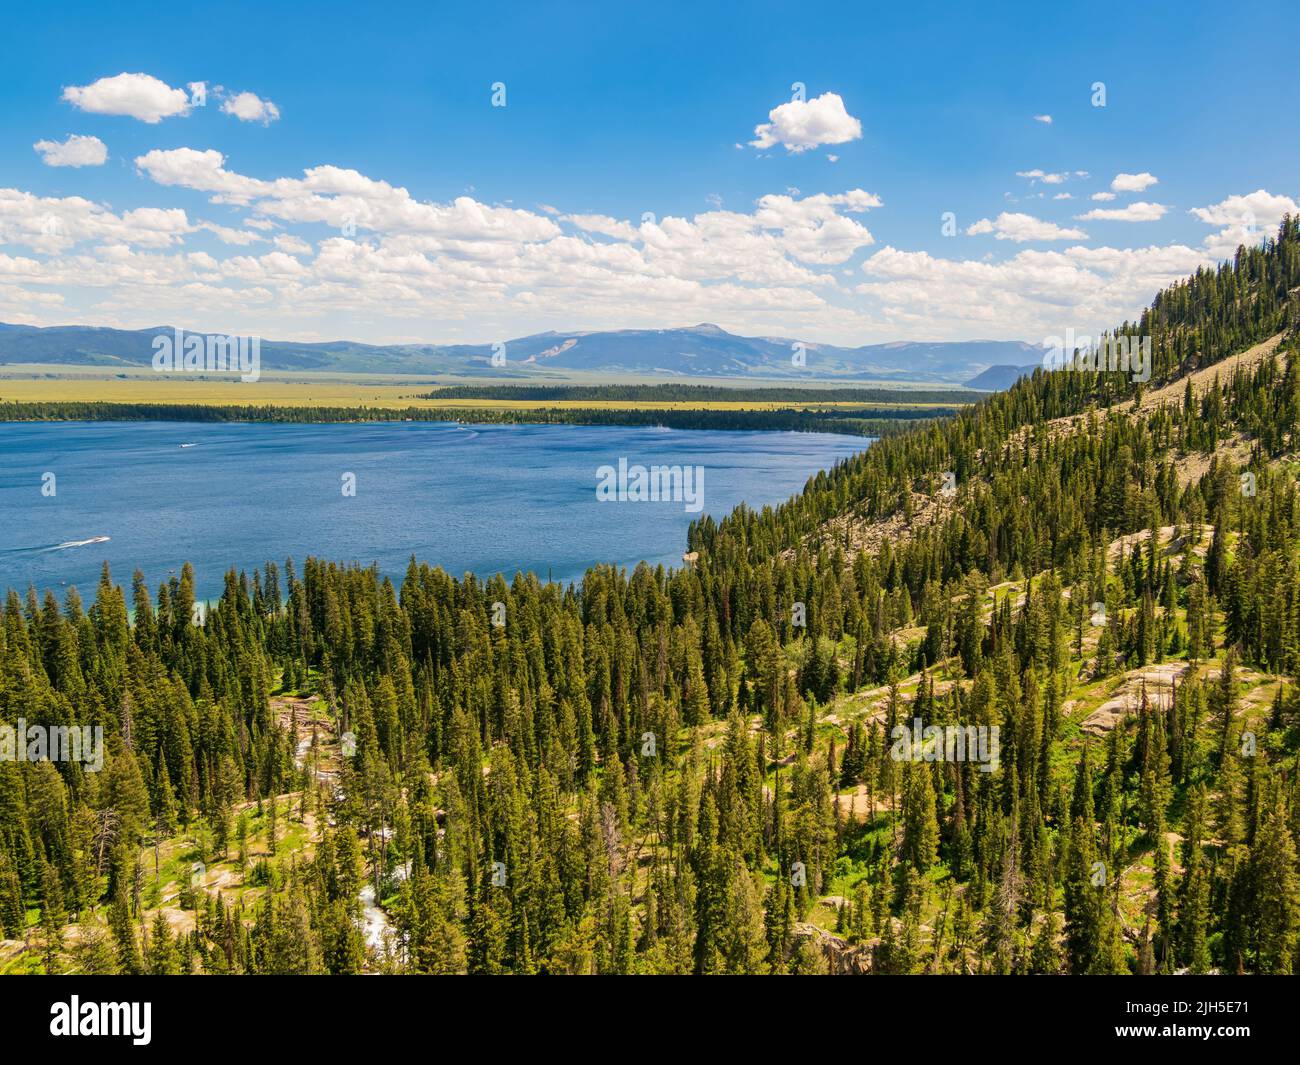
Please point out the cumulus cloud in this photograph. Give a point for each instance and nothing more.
(603, 225)
(1133, 182)
(248, 107)
(762, 269)
(54, 224)
(812, 229)
(1023, 227)
(1133, 212)
(77, 150)
(139, 96)
(1244, 219)
(1103, 197)
(346, 200)
(395, 257)
(1041, 292)
(1258, 207)
(287, 242)
(201, 170)
(1043, 176)
(229, 235)
(803, 124)
(770, 245)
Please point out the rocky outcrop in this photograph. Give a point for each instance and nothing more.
(842, 957)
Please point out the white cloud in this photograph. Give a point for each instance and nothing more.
(248, 107)
(139, 96)
(1258, 207)
(1063, 196)
(1134, 182)
(1041, 292)
(334, 196)
(1245, 220)
(804, 124)
(53, 224)
(75, 151)
(1133, 212)
(1043, 176)
(1103, 197)
(764, 246)
(227, 235)
(413, 261)
(204, 171)
(812, 229)
(1045, 119)
(1022, 227)
(604, 225)
(286, 242)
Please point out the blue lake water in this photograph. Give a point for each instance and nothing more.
(482, 498)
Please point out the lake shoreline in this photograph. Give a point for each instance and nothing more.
(868, 421)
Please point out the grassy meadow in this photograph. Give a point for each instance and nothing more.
(36, 383)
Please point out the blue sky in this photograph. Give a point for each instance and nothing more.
(368, 188)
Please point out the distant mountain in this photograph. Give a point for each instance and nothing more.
(96, 346)
(999, 378)
(703, 350)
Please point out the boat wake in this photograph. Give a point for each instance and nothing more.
(41, 549)
(68, 544)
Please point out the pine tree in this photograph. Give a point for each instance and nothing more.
(1277, 892)
(53, 918)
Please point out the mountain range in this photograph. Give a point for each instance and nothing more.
(703, 350)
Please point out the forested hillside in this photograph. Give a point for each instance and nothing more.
(697, 771)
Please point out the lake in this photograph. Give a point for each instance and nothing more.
(481, 498)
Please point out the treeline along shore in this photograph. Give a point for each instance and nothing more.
(676, 392)
(853, 421)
